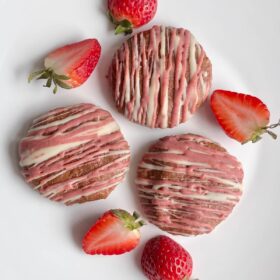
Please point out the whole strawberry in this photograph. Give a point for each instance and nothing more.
(128, 14)
(164, 259)
(69, 66)
(115, 233)
(243, 117)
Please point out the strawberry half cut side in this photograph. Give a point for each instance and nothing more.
(115, 233)
(243, 117)
(69, 66)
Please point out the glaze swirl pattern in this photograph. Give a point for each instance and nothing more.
(74, 154)
(188, 184)
(160, 77)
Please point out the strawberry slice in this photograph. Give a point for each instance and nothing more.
(69, 66)
(243, 117)
(115, 233)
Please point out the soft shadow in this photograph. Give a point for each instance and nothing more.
(136, 158)
(81, 226)
(12, 145)
(138, 254)
(205, 115)
(13, 154)
(102, 73)
(23, 70)
(102, 8)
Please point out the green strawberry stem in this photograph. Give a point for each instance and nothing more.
(52, 77)
(257, 135)
(272, 134)
(138, 219)
(131, 222)
(123, 26)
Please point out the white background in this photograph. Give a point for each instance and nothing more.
(40, 239)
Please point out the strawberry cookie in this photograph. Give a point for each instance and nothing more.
(74, 154)
(188, 184)
(160, 77)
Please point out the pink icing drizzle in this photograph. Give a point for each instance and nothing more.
(204, 187)
(145, 68)
(89, 135)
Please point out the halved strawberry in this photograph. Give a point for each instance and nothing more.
(243, 117)
(69, 66)
(115, 233)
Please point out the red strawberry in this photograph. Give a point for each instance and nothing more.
(243, 117)
(69, 66)
(164, 259)
(127, 14)
(115, 233)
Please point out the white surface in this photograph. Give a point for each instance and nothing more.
(40, 239)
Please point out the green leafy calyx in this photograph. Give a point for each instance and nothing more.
(121, 27)
(257, 134)
(131, 222)
(52, 79)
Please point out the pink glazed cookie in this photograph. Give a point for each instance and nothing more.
(188, 184)
(74, 154)
(160, 77)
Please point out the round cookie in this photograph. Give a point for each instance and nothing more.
(160, 77)
(74, 154)
(188, 184)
